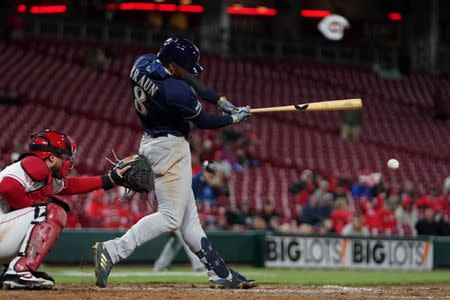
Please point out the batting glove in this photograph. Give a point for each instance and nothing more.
(241, 114)
(226, 106)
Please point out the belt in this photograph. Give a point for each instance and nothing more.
(157, 135)
(161, 134)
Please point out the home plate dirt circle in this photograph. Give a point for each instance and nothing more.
(184, 291)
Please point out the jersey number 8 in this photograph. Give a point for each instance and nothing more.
(139, 99)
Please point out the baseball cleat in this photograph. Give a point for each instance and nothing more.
(27, 280)
(234, 281)
(103, 264)
(2, 271)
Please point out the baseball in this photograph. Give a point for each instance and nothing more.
(393, 164)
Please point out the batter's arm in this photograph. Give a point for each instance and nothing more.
(205, 93)
(209, 121)
(202, 91)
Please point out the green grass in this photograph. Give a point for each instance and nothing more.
(145, 275)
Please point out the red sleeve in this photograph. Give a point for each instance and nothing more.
(14, 193)
(81, 185)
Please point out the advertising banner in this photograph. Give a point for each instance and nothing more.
(340, 252)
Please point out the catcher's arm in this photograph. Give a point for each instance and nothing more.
(86, 184)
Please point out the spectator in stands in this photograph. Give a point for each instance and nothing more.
(274, 224)
(258, 223)
(304, 187)
(268, 211)
(203, 184)
(431, 199)
(351, 121)
(387, 222)
(393, 194)
(246, 213)
(321, 190)
(363, 188)
(341, 215)
(355, 227)
(222, 165)
(310, 213)
(210, 216)
(407, 216)
(235, 217)
(428, 224)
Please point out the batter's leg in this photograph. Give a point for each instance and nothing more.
(220, 275)
(170, 158)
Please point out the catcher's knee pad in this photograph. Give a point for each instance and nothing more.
(211, 259)
(42, 234)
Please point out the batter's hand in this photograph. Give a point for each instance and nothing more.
(241, 114)
(226, 106)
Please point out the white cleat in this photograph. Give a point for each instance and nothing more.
(26, 280)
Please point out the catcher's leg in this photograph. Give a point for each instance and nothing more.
(48, 222)
(13, 227)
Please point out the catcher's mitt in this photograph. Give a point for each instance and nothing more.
(138, 178)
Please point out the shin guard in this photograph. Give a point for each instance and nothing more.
(40, 238)
(212, 260)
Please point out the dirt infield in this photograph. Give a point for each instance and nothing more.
(178, 291)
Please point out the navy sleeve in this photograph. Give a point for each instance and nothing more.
(203, 92)
(208, 121)
(183, 99)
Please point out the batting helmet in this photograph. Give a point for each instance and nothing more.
(50, 142)
(182, 52)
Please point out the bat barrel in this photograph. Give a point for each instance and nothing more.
(344, 104)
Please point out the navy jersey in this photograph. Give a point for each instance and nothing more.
(163, 103)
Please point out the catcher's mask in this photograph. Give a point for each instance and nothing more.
(50, 142)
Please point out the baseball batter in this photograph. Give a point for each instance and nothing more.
(166, 105)
(31, 218)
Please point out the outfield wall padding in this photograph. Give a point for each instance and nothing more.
(251, 247)
(74, 247)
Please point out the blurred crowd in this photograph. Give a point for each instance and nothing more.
(331, 203)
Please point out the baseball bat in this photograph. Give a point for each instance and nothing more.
(344, 104)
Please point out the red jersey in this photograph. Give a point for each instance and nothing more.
(29, 181)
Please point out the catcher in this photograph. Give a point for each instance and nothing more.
(31, 217)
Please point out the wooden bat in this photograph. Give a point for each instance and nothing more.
(344, 104)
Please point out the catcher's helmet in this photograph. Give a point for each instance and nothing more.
(182, 52)
(50, 142)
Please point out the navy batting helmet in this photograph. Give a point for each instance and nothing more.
(182, 52)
